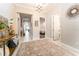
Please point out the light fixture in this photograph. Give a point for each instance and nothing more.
(39, 6)
(73, 11)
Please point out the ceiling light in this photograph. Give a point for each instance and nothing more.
(40, 6)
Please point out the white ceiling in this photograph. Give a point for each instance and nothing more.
(49, 8)
(33, 6)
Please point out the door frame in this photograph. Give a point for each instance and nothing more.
(20, 25)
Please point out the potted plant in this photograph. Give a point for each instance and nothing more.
(3, 28)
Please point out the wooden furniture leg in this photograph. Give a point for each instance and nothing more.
(3, 48)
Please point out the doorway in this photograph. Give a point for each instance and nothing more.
(26, 27)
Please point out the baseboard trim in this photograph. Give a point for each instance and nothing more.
(71, 49)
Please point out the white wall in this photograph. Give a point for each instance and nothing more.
(69, 27)
(53, 26)
(52, 14)
(6, 10)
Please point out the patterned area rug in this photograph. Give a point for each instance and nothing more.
(42, 48)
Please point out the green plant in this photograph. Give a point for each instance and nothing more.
(3, 25)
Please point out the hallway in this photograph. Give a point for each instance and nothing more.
(49, 29)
